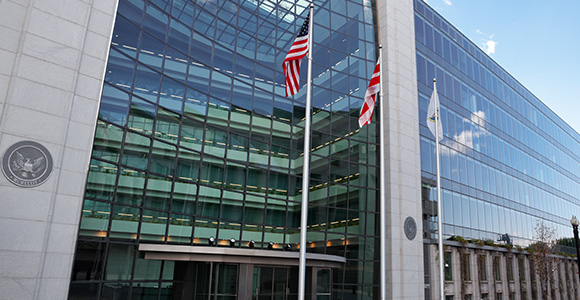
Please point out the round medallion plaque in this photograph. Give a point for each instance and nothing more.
(27, 164)
(410, 228)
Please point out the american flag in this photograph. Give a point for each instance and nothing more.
(366, 111)
(293, 60)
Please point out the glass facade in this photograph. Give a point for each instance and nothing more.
(196, 140)
(506, 159)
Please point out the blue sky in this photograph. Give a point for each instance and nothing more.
(537, 42)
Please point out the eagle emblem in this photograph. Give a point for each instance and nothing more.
(27, 167)
(27, 164)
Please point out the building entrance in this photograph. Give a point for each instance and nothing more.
(228, 281)
(219, 273)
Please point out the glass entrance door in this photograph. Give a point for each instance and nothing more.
(281, 283)
(229, 281)
(214, 281)
(275, 283)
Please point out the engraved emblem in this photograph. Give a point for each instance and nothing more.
(27, 164)
(410, 228)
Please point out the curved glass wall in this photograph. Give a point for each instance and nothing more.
(196, 140)
(507, 160)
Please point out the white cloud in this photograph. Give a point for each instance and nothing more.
(488, 44)
(490, 47)
(447, 2)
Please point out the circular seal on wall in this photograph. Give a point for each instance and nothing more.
(410, 228)
(27, 164)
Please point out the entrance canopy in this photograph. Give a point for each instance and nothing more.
(237, 255)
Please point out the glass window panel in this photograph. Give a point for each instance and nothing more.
(447, 205)
(438, 45)
(133, 10)
(441, 80)
(184, 193)
(172, 94)
(474, 213)
(446, 49)
(457, 209)
(236, 176)
(179, 36)
(89, 261)
(221, 86)
(448, 267)
(452, 124)
(454, 158)
(465, 211)
(136, 150)
(463, 169)
(130, 187)
(114, 105)
(204, 22)
(448, 85)
(430, 72)
(471, 172)
(254, 212)
(147, 269)
(158, 192)
(421, 69)
(419, 33)
(107, 142)
(153, 225)
(95, 218)
(119, 262)
(201, 50)
(478, 176)
(126, 35)
(445, 162)
(263, 103)
(147, 83)
(142, 115)
(264, 77)
(120, 69)
(426, 152)
(195, 105)
(101, 180)
(152, 51)
(429, 36)
(176, 63)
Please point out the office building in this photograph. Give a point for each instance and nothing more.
(149, 151)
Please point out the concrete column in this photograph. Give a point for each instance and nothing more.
(52, 62)
(403, 170)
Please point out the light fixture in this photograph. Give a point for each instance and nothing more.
(211, 240)
(287, 247)
(251, 244)
(270, 245)
(232, 242)
(574, 221)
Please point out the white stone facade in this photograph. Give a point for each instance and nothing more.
(402, 152)
(52, 62)
(508, 274)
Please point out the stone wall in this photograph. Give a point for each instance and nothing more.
(493, 273)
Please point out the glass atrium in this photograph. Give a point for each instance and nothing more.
(195, 140)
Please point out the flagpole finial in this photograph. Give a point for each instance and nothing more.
(380, 46)
(311, 5)
(434, 79)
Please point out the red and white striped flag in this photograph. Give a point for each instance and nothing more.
(366, 111)
(293, 60)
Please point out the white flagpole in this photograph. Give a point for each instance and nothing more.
(439, 215)
(382, 199)
(306, 167)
